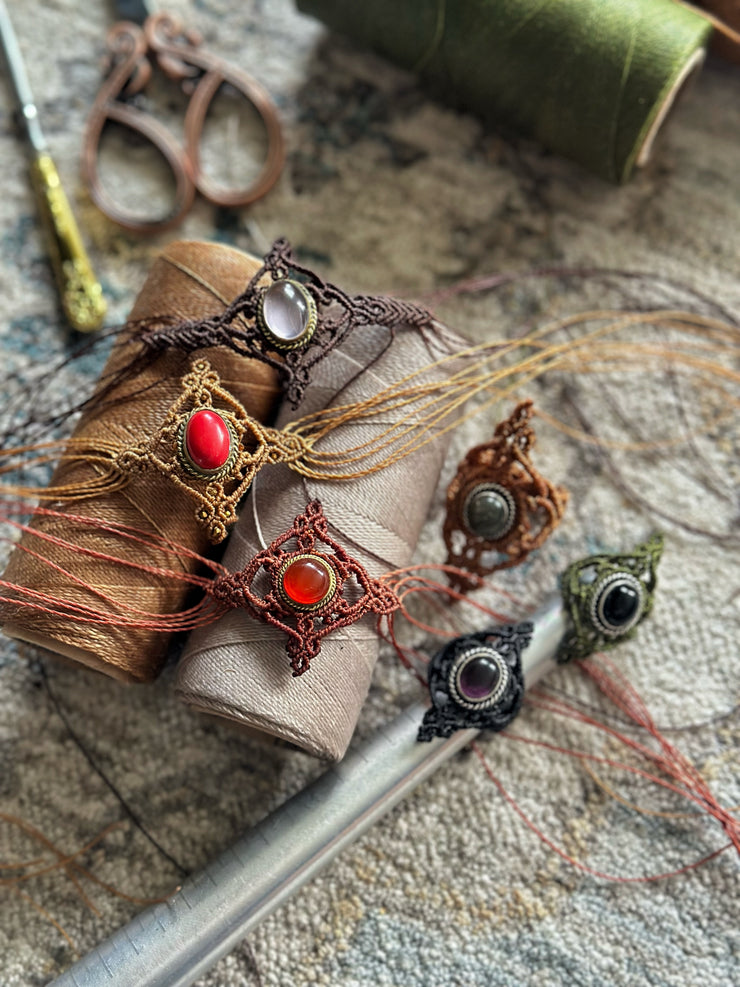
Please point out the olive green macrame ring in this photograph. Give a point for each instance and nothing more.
(586, 586)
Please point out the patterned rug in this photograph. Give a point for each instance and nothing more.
(386, 191)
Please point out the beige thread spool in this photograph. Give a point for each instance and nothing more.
(189, 280)
(238, 668)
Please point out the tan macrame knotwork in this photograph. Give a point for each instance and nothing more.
(501, 469)
(252, 446)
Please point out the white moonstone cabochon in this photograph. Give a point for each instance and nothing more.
(285, 310)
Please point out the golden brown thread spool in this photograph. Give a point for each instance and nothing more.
(238, 668)
(189, 280)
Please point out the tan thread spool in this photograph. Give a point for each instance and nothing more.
(238, 668)
(189, 280)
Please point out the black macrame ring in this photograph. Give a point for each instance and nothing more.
(476, 681)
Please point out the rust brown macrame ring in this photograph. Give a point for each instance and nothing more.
(354, 595)
(499, 507)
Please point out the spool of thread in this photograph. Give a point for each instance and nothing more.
(238, 668)
(590, 80)
(189, 280)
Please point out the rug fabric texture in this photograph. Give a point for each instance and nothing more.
(385, 190)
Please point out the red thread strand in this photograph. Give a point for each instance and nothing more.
(577, 863)
(671, 761)
(683, 779)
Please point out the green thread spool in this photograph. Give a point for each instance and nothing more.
(590, 79)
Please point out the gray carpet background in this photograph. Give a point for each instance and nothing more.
(386, 191)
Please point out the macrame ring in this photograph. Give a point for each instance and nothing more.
(186, 461)
(624, 595)
(606, 596)
(484, 690)
(293, 301)
(476, 681)
(503, 502)
(326, 595)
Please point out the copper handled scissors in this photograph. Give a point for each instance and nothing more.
(134, 45)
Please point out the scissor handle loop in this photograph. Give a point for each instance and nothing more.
(195, 119)
(162, 32)
(127, 47)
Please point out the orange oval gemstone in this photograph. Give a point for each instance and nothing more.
(306, 581)
(208, 440)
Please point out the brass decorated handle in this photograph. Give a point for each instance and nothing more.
(81, 293)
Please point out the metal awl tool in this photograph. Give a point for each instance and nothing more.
(81, 293)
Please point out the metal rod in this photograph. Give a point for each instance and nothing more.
(28, 114)
(173, 943)
(80, 292)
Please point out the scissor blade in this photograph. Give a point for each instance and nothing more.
(132, 10)
(17, 72)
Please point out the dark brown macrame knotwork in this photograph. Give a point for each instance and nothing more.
(238, 326)
(526, 506)
(353, 592)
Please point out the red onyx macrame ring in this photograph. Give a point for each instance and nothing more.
(313, 587)
(208, 444)
(209, 447)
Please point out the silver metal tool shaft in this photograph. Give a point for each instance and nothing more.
(80, 292)
(28, 115)
(172, 944)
